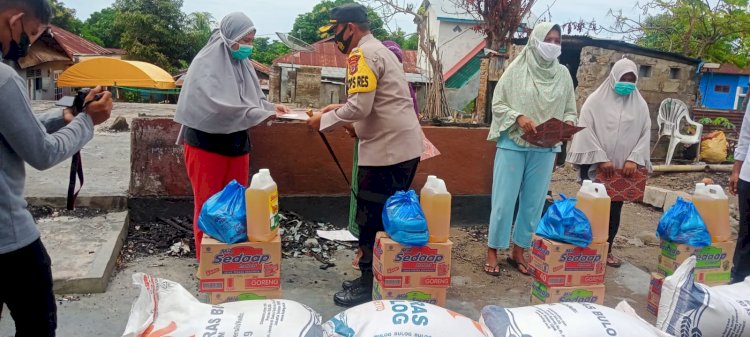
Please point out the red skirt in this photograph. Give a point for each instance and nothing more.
(209, 173)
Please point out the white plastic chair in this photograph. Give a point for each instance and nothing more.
(671, 112)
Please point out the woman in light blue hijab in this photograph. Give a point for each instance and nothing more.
(534, 89)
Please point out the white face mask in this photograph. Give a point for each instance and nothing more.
(548, 51)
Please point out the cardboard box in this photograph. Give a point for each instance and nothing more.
(436, 296)
(543, 294)
(654, 293)
(259, 294)
(716, 257)
(398, 266)
(246, 260)
(559, 264)
(711, 278)
(237, 284)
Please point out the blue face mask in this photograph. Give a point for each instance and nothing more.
(624, 88)
(243, 53)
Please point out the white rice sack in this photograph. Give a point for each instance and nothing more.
(689, 309)
(566, 319)
(400, 318)
(165, 308)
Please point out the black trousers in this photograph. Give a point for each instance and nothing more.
(615, 210)
(376, 185)
(29, 295)
(742, 253)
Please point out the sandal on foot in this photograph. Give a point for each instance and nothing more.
(513, 263)
(613, 261)
(490, 270)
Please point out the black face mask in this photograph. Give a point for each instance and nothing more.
(342, 44)
(17, 50)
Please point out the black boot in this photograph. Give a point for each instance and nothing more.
(346, 285)
(360, 292)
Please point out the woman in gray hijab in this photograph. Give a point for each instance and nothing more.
(220, 101)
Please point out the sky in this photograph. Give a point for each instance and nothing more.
(272, 16)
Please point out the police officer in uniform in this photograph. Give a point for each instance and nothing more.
(380, 111)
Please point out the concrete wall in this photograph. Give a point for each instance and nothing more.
(300, 163)
(47, 71)
(308, 86)
(455, 42)
(596, 65)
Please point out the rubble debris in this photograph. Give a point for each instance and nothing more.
(181, 248)
(299, 238)
(173, 236)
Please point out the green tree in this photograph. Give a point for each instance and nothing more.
(265, 50)
(198, 29)
(306, 25)
(154, 31)
(65, 17)
(715, 31)
(100, 28)
(406, 41)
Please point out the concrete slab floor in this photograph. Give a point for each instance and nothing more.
(83, 250)
(303, 281)
(106, 167)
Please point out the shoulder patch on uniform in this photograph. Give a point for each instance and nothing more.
(359, 77)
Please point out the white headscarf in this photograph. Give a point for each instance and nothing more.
(618, 128)
(221, 94)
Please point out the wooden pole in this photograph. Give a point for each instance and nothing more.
(693, 168)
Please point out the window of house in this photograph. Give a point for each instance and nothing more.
(674, 73)
(38, 83)
(644, 72)
(722, 89)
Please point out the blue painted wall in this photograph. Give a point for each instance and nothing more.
(720, 100)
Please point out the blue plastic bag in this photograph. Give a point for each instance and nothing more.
(223, 216)
(404, 220)
(683, 224)
(564, 222)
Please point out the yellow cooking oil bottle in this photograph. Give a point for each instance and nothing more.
(592, 199)
(713, 206)
(436, 205)
(262, 200)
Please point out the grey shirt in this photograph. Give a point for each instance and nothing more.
(42, 141)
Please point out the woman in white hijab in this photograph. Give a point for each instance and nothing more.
(617, 135)
(220, 101)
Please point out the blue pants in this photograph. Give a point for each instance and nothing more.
(518, 174)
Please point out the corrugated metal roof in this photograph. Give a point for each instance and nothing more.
(75, 45)
(729, 69)
(261, 68)
(42, 53)
(326, 55)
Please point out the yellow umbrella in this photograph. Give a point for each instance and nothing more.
(110, 72)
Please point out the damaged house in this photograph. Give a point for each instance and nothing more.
(318, 77)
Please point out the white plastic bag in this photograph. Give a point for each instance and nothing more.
(165, 308)
(689, 309)
(566, 319)
(400, 318)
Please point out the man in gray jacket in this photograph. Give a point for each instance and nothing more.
(42, 141)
